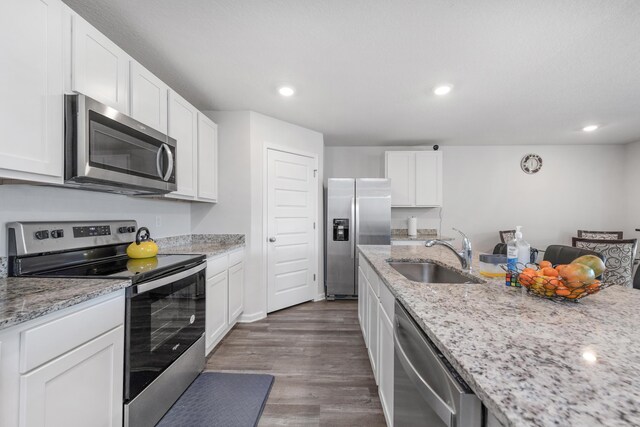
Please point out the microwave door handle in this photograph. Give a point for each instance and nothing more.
(158, 164)
(169, 161)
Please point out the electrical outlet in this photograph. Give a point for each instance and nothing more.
(158, 221)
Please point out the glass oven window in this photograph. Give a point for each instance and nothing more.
(116, 147)
(161, 325)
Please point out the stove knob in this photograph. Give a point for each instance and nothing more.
(41, 235)
(122, 229)
(131, 229)
(56, 234)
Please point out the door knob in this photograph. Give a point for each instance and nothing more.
(272, 239)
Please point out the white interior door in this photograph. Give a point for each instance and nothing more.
(291, 214)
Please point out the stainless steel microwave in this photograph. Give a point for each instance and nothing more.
(106, 150)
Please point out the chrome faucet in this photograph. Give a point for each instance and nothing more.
(464, 256)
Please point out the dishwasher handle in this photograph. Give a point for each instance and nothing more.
(439, 406)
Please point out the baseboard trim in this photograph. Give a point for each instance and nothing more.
(253, 317)
(319, 297)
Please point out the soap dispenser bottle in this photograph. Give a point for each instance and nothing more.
(518, 256)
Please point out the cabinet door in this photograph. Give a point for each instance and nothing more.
(400, 168)
(148, 95)
(216, 313)
(183, 126)
(361, 297)
(31, 109)
(207, 159)
(100, 69)
(365, 305)
(80, 388)
(385, 377)
(236, 291)
(372, 321)
(429, 178)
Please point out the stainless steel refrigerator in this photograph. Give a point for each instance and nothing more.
(358, 212)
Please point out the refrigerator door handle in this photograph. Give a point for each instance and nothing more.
(357, 220)
(353, 236)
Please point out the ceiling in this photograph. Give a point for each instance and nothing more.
(524, 72)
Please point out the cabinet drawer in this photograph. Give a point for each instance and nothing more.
(236, 257)
(47, 341)
(387, 301)
(216, 265)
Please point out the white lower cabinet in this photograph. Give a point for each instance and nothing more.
(376, 313)
(361, 298)
(385, 365)
(65, 368)
(373, 313)
(216, 308)
(80, 388)
(225, 296)
(236, 291)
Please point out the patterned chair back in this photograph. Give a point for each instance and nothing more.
(507, 235)
(619, 254)
(600, 235)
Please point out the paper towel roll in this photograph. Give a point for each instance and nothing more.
(412, 226)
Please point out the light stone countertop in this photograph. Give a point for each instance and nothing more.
(26, 298)
(522, 355)
(209, 245)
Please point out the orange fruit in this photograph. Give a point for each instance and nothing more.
(544, 264)
(563, 292)
(550, 271)
(578, 273)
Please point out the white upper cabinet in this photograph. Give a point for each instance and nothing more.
(429, 178)
(400, 168)
(416, 178)
(31, 109)
(149, 97)
(207, 159)
(183, 127)
(100, 69)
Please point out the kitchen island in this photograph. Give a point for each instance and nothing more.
(531, 361)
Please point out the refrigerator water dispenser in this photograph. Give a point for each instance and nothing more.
(340, 229)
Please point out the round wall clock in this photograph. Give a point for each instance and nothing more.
(531, 163)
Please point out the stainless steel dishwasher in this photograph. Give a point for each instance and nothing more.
(427, 390)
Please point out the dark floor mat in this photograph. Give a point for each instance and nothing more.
(220, 399)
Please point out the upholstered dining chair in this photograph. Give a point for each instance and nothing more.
(602, 235)
(507, 235)
(619, 255)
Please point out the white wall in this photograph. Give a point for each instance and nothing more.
(485, 190)
(243, 139)
(632, 193)
(41, 203)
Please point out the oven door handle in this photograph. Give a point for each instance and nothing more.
(155, 284)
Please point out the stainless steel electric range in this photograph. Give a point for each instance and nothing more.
(165, 304)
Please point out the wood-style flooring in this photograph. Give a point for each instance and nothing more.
(317, 354)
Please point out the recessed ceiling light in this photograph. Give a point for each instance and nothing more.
(590, 128)
(442, 90)
(286, 91)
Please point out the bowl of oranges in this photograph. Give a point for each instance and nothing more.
(564, 282)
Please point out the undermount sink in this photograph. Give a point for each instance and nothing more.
(429, 272)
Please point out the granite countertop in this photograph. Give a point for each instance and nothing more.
(401, 235)
(26, 298)
(206, 244)
(533, 362)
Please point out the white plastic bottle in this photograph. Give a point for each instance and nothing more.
(518, 252)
